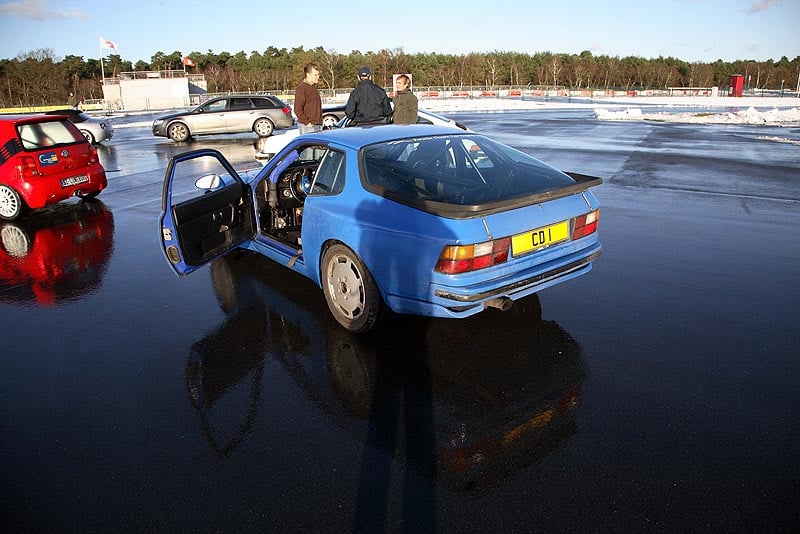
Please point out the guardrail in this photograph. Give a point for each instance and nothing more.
(339, 96)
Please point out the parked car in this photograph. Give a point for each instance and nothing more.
(43, 160)
(274, 144)
(424, 220)
(93, 129)
(262, 114)
(332, 114)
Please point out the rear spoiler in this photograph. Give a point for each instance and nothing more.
(450, 211)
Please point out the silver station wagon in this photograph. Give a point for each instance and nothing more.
(261, 114)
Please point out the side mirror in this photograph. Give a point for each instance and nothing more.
(209, 181)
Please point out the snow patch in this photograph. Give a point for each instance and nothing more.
(772, 117)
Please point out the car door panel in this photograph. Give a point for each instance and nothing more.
(208, 122)
(239, 121)
(211, 222)
(209, 225)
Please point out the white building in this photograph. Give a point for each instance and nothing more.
(145, 90)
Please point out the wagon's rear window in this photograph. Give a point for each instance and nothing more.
(38, 135)
(459, 169)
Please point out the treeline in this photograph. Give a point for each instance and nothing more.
(38, 77)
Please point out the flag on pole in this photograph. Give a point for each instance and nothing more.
(187, 61)
(105, 43)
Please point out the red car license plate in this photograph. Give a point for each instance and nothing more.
(74, 180)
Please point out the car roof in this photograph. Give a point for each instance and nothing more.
(20, 119)
(63, 111)
(240, 96)
(73, 114)
(358, 136)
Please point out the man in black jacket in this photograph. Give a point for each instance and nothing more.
(367, 102)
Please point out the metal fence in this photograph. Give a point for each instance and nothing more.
(340, 95)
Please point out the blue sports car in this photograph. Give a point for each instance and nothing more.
(408, 219)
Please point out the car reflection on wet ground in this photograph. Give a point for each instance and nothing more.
(481, 406)
(658, 392)
(465, 423)
(55, 256)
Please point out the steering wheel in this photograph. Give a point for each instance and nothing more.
(300, 183)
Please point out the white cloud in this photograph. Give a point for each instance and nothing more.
(762, 5)
(39, 10)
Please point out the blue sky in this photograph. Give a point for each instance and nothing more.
(691, 30)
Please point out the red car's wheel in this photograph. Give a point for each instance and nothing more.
(11, 204)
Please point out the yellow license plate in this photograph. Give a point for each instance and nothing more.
(539, 238)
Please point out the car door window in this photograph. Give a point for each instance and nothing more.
(217, 106)
(238, 104)
(329, 178)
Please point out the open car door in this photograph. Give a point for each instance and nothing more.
(206, 210)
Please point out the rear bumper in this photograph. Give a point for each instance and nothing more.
(463, 301)
(45, 191)
(510, 289)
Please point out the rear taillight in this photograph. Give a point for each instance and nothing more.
(26, 168)
(456, 259)
(585, 224)
(92, 155)
(286, 110)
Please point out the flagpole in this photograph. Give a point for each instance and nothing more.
(102, 69)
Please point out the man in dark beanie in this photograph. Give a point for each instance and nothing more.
(368, 102)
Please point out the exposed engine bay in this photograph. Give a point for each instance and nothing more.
(280, 203)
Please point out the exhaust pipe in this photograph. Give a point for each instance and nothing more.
(503, 303)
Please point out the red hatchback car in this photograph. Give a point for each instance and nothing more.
(43, 160)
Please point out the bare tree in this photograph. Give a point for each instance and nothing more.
(331, 61)
(554, 68)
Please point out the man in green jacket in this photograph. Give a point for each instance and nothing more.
(405, 102)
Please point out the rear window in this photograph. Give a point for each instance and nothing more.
(465, 170)
(37, 135)
(264, 103)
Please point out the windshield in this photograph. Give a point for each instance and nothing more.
(457, 169)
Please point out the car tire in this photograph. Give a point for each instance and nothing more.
(11, 204)
(178, 132)
(88, 135)
(329, 121)
(350, 291)
(263, 127)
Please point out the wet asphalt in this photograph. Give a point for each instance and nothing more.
(657, 393)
